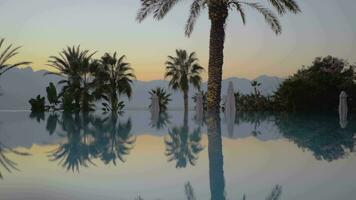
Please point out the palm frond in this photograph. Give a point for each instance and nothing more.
(268, 14)
(283, 5)
(195, 10)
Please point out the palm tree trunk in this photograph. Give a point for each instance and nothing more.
(114, 102)
(185, 96)
(217, 13)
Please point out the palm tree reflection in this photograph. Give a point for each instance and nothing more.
(5, 162)
(75, 152)
(189, 191)
(90, 137)
(115, 140)
(216, 159)
(161, 121)
(182, 146)
(38, 116)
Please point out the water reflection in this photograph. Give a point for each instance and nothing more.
(6, 162)
(320, 134)
(89, 137)
(87, 134)
(183, 146)
(161, 121)
(216, 159)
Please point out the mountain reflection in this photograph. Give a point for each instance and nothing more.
(89, 137)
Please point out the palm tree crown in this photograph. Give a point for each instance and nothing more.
(163, 97)
(6, 54)
(114, 77)
(77, 66)
(160, 8)
(183, 70)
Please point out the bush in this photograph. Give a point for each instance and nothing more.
(317, 87)
(38, 104)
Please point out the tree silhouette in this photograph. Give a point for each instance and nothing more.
(113, 78)
(6, 54)
(76, 66)
(183, 70)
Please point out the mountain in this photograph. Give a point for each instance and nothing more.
(19, 85)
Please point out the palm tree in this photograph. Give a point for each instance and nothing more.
(114, 77)
(77, 67)
(183, 70)
(6, 54)
(163, 97)
(218, 13)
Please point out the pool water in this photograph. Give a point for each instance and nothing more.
(253, 156)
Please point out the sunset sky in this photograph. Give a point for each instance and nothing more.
(44, 27)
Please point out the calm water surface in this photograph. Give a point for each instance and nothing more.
(174, 156)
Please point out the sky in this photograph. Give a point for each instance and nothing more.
(44, 27)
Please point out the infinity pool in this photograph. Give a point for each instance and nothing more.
(253, 156)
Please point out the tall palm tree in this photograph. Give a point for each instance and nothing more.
(6, 54)
(114, 78)
(218, 10)
(183, 70)
(77, 67)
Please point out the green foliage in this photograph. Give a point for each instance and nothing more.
(113, 78)
(68, 104)
(318, 86)
(6, 54)
(163, 97)
(253, 102)
(38, 104)
(52, 96)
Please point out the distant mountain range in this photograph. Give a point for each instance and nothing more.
(20, 85)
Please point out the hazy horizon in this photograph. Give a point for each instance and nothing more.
(45, 27)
